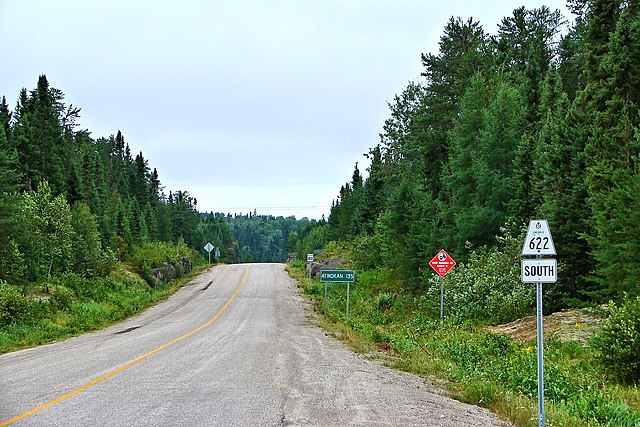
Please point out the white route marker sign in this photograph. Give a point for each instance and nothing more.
(539, 240)
(539, 271)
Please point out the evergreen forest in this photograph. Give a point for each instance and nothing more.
(265, 238)
(73, 204)
(537, 121)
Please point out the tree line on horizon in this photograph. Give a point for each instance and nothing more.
(537, 121)
(266, 238)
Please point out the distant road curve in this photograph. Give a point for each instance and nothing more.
(235, 347)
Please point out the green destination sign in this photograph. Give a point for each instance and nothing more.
(337, 276)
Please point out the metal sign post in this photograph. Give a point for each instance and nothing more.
(539, 242)
(309, 260)
(441, 299)
(348, 284)
(540, 354)
(327, 276)
(209, 247)
(324, 302)
(442, 263)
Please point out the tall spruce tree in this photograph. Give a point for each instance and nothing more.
(372, 197)
(481, 162)
(527, 43)
(9, 179)
(610, 105)
(45, 108)
(558, 177)
(463, 52)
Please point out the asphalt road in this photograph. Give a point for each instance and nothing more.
(235, 347)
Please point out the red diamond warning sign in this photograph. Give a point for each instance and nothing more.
(442, 263)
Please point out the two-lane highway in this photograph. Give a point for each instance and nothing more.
(232, 348)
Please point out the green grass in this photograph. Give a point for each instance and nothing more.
(477, 366)
(77, 305)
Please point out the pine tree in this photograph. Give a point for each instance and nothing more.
(397, 128)
(480, 166)
(558, 171)
(357, 196)
(9, 174)
(610, 107)
(47, 134)
(9, 178)
(403, 231)
(373, 195)
(28, 153)
(87, 248)
(573, 57)
(527, 44)
(5, 121)
(463, 52)
(341, 215)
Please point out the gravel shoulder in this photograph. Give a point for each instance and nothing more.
(326, 384)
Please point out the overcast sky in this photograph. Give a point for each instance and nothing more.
(263, 105)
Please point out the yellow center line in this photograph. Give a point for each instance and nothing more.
(130, 364)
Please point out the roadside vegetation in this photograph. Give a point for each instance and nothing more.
(592, 383)
(82, 224)
(264, 238)
(68, 304)
(537, 121)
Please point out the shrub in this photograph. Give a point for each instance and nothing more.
(618, 343)
(14, 307)
(61, 297)
(366, 254)
(297, 264)
(385, 300)
(153, 255)
(488, 287)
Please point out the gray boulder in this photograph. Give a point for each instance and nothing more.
(328, 264)
(185, 265)
(165, 273)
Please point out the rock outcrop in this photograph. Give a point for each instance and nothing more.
(164, 273)
(328, 264)
(168, 271)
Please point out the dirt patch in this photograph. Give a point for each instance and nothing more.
(573, 325)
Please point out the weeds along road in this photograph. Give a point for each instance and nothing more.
(235, 347)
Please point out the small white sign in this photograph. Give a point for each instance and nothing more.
(208, 247)
(539, 240)
(539, 271)
(309, 257)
